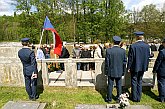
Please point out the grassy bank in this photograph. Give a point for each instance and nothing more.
(68, 98)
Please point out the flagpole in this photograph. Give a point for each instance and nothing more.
(41, 36)
(54, 40)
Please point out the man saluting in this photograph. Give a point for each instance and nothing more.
(28, 60)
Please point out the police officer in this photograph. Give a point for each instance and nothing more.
(28, 60)
(159, 68)
(138, 60)
(115, 62)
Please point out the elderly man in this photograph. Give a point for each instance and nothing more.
(138, 60)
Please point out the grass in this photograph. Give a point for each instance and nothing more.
(68, 98)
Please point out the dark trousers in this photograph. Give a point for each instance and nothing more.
(110, 87)
(31, 86)
(161, 87)
(62, 66)
(85, 66)
(136, 85)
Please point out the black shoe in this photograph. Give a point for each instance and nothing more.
(30, 98)
(161, 100)
(135, 100)
(107, 100)
(33, 99)
(37, 96)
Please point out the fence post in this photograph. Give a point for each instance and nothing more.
(100, 78)
(71, 73)
(43, 73)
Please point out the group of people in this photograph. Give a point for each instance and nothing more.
(116, 65)
(79, 51)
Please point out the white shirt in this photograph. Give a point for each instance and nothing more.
(97, 53)
(40, 54)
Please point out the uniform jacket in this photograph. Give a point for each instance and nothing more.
(159, 66)
(115, 61)
(138, 56)
(28, 60)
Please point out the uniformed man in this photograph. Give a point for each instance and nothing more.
(115, 62)
(159, 68)
(138, 60)
(28, 60)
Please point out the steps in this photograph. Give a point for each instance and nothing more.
(87, 78)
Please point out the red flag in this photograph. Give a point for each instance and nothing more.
(56, 37)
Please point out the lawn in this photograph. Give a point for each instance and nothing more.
(68, 98)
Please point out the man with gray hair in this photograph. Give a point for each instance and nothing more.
(138, 60)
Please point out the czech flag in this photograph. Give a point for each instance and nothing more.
(56, 38)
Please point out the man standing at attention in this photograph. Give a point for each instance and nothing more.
(138, 60)
(159, 68)
(30, 71)
(115, 62)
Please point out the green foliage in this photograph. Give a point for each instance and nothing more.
(81, 20)
(88, 20)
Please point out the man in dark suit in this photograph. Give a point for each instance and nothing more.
(153, 47)
(138, 60)
(64, 54)
(28, 60)
(159, 68)
(115, 62)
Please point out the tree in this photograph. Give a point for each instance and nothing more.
(149, 21)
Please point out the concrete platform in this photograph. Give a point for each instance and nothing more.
(24, 105)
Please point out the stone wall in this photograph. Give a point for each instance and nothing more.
(11, 72)
(10, 65)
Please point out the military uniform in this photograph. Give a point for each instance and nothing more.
(28, 60)
(159, 68)
(115, 62)
(138, 60)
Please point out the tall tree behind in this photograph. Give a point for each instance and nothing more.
(149, 21)
(113, 22)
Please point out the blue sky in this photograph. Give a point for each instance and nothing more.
(7, 9)
(139, 4)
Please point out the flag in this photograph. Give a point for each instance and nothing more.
(56, 38)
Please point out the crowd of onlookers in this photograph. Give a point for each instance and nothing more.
(78, 51)
(46, 51)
